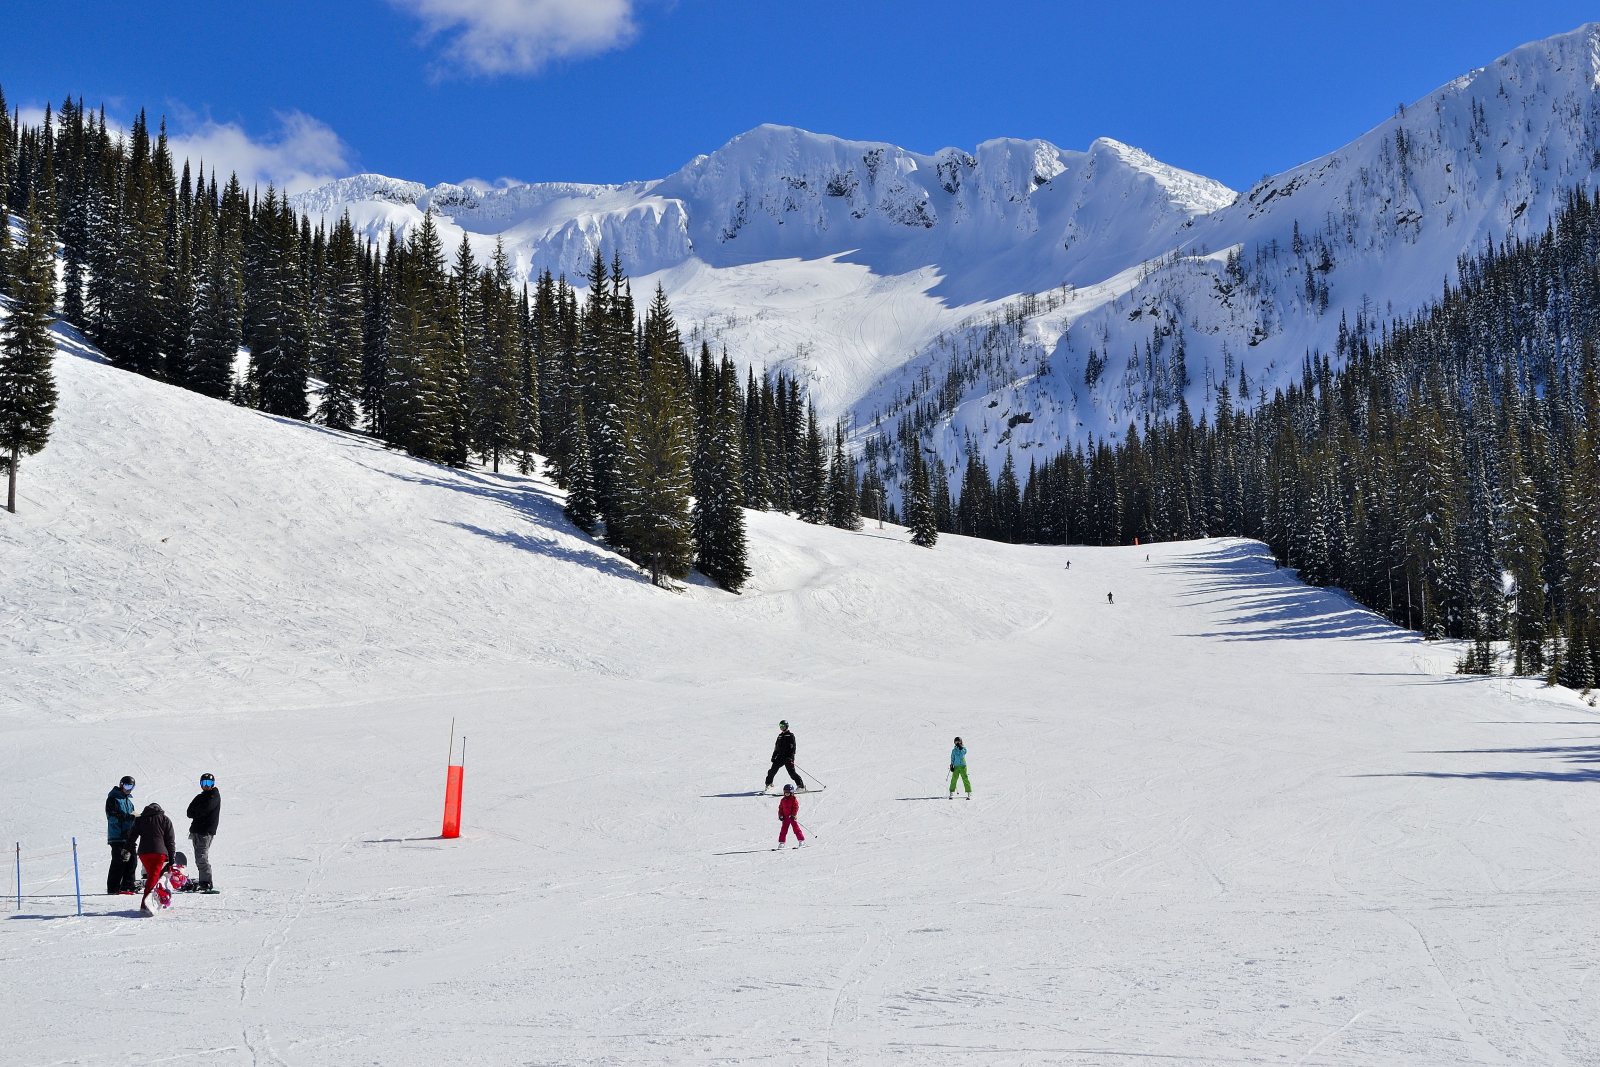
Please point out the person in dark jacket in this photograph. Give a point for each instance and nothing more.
(119, 834)
(204, 812)
(157, 843)
(783, 756)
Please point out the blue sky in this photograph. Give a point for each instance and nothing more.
(612, 90)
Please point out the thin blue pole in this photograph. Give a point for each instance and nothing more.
(77, 883)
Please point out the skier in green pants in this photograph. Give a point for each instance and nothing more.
(958, 769)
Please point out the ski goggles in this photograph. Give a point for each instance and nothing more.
(208, 781)
(128, 786)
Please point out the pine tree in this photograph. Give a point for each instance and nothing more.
(580, 507)
(920, 515)
(275, 325)
(844, 494)
(343, 314)
(653, 482)
(27, 383)
(418, 413)
(217, 330)
(1583, 540)
(719, 535)
(528, 417)
(975, 511)
(809, 486)
(495, 380)
(1007, 503)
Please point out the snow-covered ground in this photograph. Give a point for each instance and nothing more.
(1228, 819)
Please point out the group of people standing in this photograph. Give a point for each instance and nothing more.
(146, 838)
(789, 807)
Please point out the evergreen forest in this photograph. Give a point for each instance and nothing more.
(1444, 470)
(178, 275)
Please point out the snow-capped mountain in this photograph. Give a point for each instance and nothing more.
(847, 256)
(1361, 235)
(1026, 295)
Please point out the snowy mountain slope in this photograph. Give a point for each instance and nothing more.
(893, 278)
(843, 256)
(207, 519)
(1227, 819)
(1361, 235)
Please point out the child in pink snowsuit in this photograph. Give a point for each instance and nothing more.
(788, 808)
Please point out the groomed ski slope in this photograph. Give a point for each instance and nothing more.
(1229, 819)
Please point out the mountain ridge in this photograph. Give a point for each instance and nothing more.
(905, 283)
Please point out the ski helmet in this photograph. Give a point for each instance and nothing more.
(208, 779)
(783, 724)
(127, 781)
(788, 789)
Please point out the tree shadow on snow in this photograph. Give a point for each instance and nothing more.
(1585, 759)
(531, 504)
(605, 564)
(1270, 604)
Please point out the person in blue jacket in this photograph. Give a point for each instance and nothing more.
(958, 769)
(119, 833)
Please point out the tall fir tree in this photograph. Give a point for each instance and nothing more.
(719, 531)
(27, 380)
(920, 516)
(581, 509)
(843, 491)
(652, 481)
(343, 316)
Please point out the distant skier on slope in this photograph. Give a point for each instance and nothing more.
(1109, 600)
(783, 756)
(958, 769)
(157, 842)
(788, 815)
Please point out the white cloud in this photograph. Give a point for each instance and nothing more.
(521, 36)
(302, 154)
(479, 185)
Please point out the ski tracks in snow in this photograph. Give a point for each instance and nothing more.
(862, 981)
(255, 977)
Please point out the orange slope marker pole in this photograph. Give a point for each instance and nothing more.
(452, 786)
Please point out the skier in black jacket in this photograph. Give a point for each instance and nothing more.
(157, 843)
(204, 810)
(783, 756)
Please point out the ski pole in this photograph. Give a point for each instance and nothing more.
(808, 774)
(19, 875)
(77, 883)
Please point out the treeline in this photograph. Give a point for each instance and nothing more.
(1448, 475)
(172, 273)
